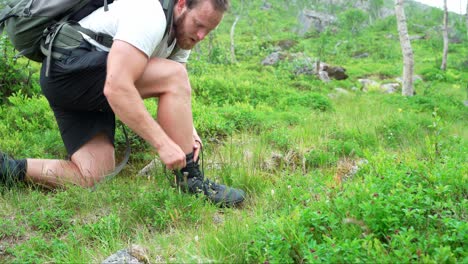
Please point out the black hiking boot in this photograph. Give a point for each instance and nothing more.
(11, 170)
(192, 180)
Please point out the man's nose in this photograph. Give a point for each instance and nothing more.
(201, 34)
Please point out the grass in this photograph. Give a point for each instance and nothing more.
(285, 141)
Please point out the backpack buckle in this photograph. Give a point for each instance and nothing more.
(99, 38)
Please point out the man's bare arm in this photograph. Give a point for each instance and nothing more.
(125, 65)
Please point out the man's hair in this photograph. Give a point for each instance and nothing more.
(220, 5)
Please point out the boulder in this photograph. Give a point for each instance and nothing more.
(337, 73)
(361, 55)
(266, 6)
(309, 19)
(367, 83)
(390, 88)
(323, 75)
(133, 255)
(416, 78)
(273, 58)
(341, 91)
(286, 44)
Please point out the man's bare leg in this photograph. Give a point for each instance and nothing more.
(169, 81)
(88, 166)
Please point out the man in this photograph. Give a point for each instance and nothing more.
(87, 88)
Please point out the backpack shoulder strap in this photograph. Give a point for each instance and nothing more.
(168, 7)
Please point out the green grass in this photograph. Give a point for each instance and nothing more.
(284, 140)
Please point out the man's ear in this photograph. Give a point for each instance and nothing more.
(180, 5)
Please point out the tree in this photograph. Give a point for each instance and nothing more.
(466, 15)
(446, 39)
(233, 46)
(408, 58)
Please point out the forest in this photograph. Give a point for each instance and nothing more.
(349, 150)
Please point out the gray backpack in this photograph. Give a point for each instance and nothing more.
(28, 22)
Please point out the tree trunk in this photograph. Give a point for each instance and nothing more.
(233, 47)
(446, 39)
(408, 60)
(466, 15)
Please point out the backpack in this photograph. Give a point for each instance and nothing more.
(28, 22)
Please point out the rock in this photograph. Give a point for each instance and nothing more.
(455, 40)
(122, 256)
(347, 168)
(310, 18)
(341, 91)
(367, 83)
(361, 55)
(146, 171)
(416, 78)
(386, 12)
(218, 219)
(305, 70)
(266, 6)
(133, 255)
(390, 88)
(417, 37)
(337, 73)
(286, 44)
(273, 58)
(323, 75)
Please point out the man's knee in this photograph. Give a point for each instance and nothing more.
(94, 161)
(89, 177)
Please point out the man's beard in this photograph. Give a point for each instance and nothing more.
(183, 41)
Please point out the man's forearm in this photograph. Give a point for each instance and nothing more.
(130, 109)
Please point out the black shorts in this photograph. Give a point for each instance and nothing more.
(75, 91)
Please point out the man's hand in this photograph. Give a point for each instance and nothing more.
(172, 155)
(197, 144)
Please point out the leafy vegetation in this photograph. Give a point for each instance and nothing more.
(291, 141)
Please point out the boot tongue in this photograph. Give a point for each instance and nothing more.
(189, 157)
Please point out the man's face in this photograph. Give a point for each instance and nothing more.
(192, 25)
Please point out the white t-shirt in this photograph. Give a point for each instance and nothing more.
(141, 23)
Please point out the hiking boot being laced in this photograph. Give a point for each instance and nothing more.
(192, 180)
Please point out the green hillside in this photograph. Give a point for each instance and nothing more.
(335, 171)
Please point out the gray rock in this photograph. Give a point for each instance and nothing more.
(218, 219)
(341, 91)
(390, 88)
(133, 255)
(416, 78)
(311, 19)
(417, 37)
(323, 75)
(366, 83)
(2, 250)
(266, 6)
(151, 167)
(120, 257)
(273, 58)
(361, 55)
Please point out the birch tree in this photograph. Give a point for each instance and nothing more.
(466, 15)
(408, 57)
(446, 39)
